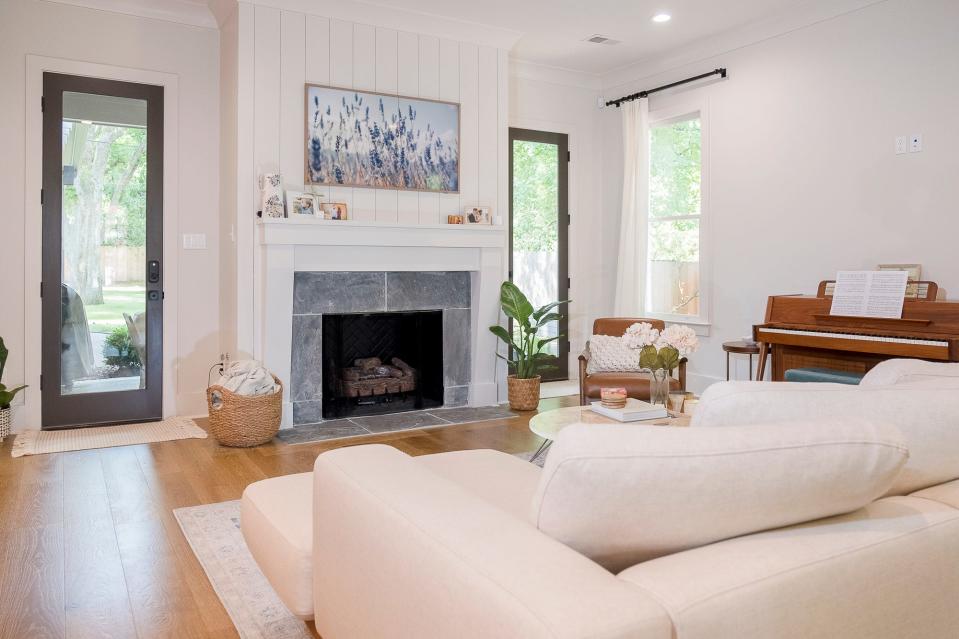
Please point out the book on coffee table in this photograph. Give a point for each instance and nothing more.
(634, 411)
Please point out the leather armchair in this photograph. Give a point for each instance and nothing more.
(636, 384)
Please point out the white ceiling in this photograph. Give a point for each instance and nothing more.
(554, 30)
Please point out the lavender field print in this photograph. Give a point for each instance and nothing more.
(356, 138)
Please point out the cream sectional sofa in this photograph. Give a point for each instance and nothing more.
(446, 545)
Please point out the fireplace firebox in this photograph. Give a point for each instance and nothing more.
(375, 363)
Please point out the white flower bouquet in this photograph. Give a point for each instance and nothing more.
(661, 350)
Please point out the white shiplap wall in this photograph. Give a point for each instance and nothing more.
(293, 48)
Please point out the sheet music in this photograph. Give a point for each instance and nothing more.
(869, 293)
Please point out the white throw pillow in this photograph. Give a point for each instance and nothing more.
(927, 414)
(626, 494)
(608, 354)
(905, 371)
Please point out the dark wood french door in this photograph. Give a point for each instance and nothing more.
(539, 229)
(102, 289)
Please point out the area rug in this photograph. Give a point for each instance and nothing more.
(40, 442)
(214, 534)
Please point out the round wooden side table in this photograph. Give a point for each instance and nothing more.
(741, 347)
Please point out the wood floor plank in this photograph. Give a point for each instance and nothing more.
(92, 548)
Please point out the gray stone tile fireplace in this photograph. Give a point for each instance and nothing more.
(316, 294)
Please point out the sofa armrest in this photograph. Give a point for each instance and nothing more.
(401, 551)
(926, 415)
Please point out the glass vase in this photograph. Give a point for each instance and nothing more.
(658, 386)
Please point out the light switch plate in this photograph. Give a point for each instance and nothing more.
(194, 241)
(902, 144)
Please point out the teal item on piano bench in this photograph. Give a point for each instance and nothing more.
(822, 375)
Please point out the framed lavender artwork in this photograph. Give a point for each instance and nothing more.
(360, 138)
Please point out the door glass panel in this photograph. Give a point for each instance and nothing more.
(102, 291)
(535, 226)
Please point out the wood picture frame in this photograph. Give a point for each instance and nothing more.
(368, 139)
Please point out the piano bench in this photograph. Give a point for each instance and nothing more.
(822, 375)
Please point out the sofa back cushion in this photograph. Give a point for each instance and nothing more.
(625, 494)
(912, 371)
(927, 414)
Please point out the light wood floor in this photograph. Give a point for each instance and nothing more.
(89, 546)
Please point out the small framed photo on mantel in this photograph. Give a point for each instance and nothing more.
(477, 215)
(299, 204)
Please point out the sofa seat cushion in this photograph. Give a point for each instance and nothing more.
(500, 479)
(887, 571)
(276, 518)
(947, 494)
(636, 384)
(621, 494)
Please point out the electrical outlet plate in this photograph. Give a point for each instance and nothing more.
(902, 144)
(915, 143)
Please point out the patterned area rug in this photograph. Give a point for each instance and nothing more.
(40, 442)
(213, 531)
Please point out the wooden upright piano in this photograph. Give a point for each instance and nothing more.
(799, 332)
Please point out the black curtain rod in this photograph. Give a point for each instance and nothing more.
(646, 93)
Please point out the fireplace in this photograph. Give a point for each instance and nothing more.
(376, 363)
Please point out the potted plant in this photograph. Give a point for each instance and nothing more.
(6, 395)
(526, 352)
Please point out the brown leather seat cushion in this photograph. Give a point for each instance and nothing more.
(636, 384)
(616, 326)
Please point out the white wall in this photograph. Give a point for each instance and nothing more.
(804, 180)
(542, 99)
(281, 50)
(73, 33)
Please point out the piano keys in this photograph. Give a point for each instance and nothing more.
(799, 332)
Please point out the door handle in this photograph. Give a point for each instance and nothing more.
(153, 271)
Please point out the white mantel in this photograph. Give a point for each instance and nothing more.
(290, 245)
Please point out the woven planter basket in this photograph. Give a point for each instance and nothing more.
(244, 420)
(5, 420)
(523, 393)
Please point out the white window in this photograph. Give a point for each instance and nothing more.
(675, 275)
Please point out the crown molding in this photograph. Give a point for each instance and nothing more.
(387, 17)
(800, 17)
(195, 14)
(526, 70)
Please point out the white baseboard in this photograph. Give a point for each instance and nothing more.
(485, 394)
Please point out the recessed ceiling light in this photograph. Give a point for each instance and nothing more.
(662, 17)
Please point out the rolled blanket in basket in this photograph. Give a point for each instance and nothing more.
(248, 377)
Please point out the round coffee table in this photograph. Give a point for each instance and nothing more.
(548, 424)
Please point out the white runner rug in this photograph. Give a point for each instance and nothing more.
(39, 442)
(213, 531)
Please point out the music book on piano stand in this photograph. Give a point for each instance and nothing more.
(869, 294)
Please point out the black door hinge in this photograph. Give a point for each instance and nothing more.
(41, 197)
(43, 104)
(41, 289)
(41, 382)
(569, 283)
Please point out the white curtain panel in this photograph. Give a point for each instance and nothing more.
(631, 268)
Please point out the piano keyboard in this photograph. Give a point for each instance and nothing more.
(859, 337)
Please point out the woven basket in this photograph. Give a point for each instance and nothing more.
(523, 393)
(4, 422)
(244, 420)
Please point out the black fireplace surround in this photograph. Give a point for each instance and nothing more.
(413, 338)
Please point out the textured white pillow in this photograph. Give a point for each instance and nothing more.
(608, 354)
(626, 494)
(903, 371)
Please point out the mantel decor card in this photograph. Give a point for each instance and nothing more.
(358, 138)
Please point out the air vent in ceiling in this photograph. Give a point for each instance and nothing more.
(601, 39)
